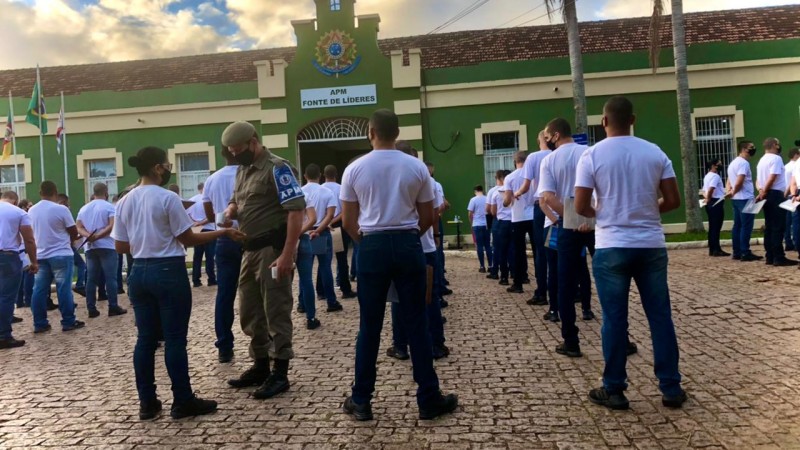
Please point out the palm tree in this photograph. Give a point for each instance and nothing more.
(694, 221)
(570, 16)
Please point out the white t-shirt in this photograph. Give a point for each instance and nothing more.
(150, 218)
(477, 206)
(625, 173)
(740, 166)
(796, 174)
(320, 198)
(522, 209)
(503, 212)
(387, 184)
(11, 218)
(197, 212)
(50, 222)
(336, 188)
(95, 216)
(218, 189)
(713, 180)
(428, 242)
(531, 169)
(490, 195)
(557, 171)
(788, 169)
(771, 164)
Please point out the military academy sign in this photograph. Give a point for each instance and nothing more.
(338, 96)
(336, 54)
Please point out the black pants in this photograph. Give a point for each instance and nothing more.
(520, 230)
(716, 215)
(774, 226)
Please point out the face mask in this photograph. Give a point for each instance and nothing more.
(751, 151)
(165, 177)
(246, 157)
(551, 145)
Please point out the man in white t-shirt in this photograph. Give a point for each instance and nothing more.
(325, 206)
(218, 190)
(714, 196)
(95, 223)
(342, 267)
(54, 230)
(490, 217)
(521, 221)
(197, 212)
(630, 246)
(740, 188)
(771, 181)
(792, 218)
(15, 233)
(387, 203)
(480, 231)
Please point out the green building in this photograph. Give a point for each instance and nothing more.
(468, 100)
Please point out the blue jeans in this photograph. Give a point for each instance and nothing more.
(209, 250)
(80, 270)
(433, 310)
(324, 269)
(25, 289)
(540, 252)
(502, 245)
(10, 280)
(382, 259)
(101, 264)
(229, 261)
(354, 260)
(796, 229)
(483, 244)
(305, 268)
(552, 276)
(159, 291)
(572, 272)
(742, 229)
(60, 268)
(614, 268)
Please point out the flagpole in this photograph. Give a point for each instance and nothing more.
(39, 106)
(13, 139)
(64, 144)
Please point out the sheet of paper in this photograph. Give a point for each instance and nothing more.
(573, 220)
(720, 200)
(752, 207)
(789, 205)
(703, 203)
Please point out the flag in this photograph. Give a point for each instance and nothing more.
(36, 110)
(8, 138)
(60, 130)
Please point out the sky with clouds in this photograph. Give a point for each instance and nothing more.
(62, 32)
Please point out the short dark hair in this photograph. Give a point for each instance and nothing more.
(506, 173)
(429, 164)
(174, 188)
(478, 188)
(63, 196)
(618, 111)
(48, 188)
(200, 186)
(500, 174)
(312, 172)
(386, 124)
(406, 148)
(771, 142)
(331, 172)
(794, 152)
(100, 190)
(560, 126)
(146, 158)
(520, 157)
(743, 145)
(10, 195)
(711, 163)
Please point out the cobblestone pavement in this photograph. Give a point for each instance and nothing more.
(737, 325)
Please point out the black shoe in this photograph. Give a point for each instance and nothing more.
(443, 303)
(720, 253)
(15, 319)
(79, 291)
(446, 283)
(482, 270)
(23, 305)
(75, 326)
(360, 412)
(526, 281)
(51, 306)
(601, 397)
(632, 349)
(197, 284)
(503, 282)
(784, 262)
(116, 311)
(43, 329)
(537, 300)
(572, 352)
(751, 257)
(443, 405)
(397, 353)
(769, 262)
(447, 291)
(11, 343)
(212, 283)
(335, 307)
(440, 351)
(676, 401)
(515, 289)
(349, 295)
(149, 410)
(588, 315)
(552, 316)
(352, 278)
(120, 291)
(253, 376)
(195, 406)
(321, 297)
(225, 356)
(300, 309)
(737, 257)
(274, 385)
(313, 324)
(493, 277)
(94, 313)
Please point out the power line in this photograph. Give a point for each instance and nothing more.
(521, 15)
(547, 13)
(460, 15)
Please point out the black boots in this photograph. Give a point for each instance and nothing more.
(253, 376)
(277, 382)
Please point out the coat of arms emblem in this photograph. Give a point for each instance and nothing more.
(336, 54)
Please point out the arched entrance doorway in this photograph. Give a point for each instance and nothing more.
(333, 141)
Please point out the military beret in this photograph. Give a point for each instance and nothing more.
(237, 133)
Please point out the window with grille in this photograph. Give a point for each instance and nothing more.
(192, 170)
(498, 154)
(101, 171)
(12, 178)
(596, 134)
(336, 5)
(715, 141)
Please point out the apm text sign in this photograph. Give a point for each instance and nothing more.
(338, 96)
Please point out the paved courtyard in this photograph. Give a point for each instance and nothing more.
(738, 325)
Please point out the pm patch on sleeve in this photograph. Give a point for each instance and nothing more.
(288, 187)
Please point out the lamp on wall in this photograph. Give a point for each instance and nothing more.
(140, 120)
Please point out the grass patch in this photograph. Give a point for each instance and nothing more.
(689, 237)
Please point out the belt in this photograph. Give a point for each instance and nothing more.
(389, 232)
(10, 252)
(274, 238)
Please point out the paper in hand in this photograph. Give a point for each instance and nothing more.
(752, 207)
(789, 205)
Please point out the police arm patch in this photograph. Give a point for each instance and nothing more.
(288, 187)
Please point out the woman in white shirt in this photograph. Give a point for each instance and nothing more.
(152, 225)
(713, 192)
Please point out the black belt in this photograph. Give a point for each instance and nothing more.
(274, 238)
(377, 233)
(10, 252)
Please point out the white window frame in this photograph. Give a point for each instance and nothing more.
(87, 156)
(491, 157)
(336, 5)
(20, 164)
(737, 130)
(501, 127)
(111, 182)
(191, 148)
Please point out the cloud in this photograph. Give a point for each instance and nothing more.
(615, 9)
